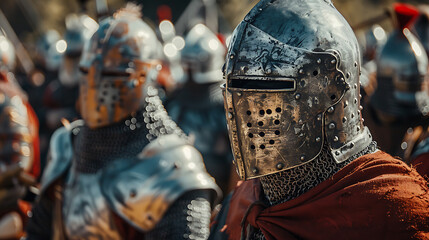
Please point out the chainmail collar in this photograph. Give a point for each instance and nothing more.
(289, 184)
(95, 148)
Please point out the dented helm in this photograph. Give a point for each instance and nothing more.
(401, 69)
(7, 54)
(117, 60)
(79, 29)
(292, 86)
(203, 55)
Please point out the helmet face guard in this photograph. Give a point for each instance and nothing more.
(284, 100)
(117, 60)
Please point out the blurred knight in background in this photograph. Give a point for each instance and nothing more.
(126, 171)
(399, 101)
(19, 151)
(197, 106)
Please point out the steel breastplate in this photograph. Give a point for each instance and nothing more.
(86, 214)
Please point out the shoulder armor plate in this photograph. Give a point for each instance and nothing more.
(141, 190)
(61, 152)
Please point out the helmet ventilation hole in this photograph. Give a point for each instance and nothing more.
(315, 73)
(277, 122)
(249, 124)
(252, 146)
(271, 141)
(262, 112)
(262, 146)
(261, 123)
(278, 109)
(269, 111)
(249, 112)
(262, 134)
(250, 135)
(277, 132)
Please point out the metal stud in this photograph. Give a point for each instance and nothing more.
(302, 158)
(318, 139)
(232, 56)
(331, 109)
(301, 71)
(280, 166)
(336, 139)
(360, 107)
(230, 115)
(297, 96)
(331, 126)
(319, 117)
(268, 71)
(319, 61)
(239, 94)
(255, 170)
(334, 61)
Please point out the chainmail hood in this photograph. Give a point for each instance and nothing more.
(95, 148)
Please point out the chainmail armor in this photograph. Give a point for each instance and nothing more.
(189, 216)
(289, 184)
(95, 148)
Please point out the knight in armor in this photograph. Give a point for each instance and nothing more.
(310, 167)
(399, 101)
(126, 171)
(197, 107)
(415, 144)
(19, 156)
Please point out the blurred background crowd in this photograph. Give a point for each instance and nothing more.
(48, 37)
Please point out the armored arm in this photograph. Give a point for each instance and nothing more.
(187, 218)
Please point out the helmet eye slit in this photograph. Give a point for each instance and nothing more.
(280, 84)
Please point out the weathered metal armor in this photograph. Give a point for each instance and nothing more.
(292, 85)
(128, 170)
(7, 53)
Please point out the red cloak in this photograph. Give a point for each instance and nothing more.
(421, 164)
(373, 197)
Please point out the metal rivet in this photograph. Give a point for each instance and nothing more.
(232, 56)
(318, 139)
(336, 139)
(268, 71)
(360, 107)
(333, 61)
(344, 119)
(331, 126)
(360, 96)
(239, 94)
(319, 61)
(297, 96)
(337, 153)
(301, 71)
(255, 170)
(299, 121)
(404, 145)
(319, 117)
(280, 166)
(330, 109)
(342, 79)
(363, 120)
(230, 115)
(302, 158)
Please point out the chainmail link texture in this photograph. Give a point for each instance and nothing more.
(95, 148)
(188, 218)
(289, 184)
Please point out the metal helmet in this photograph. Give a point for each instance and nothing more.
(7, 53)
(49, 50)
(118, 59)
(203, 55)
(401, 70)
(79, 29)
(292, 86)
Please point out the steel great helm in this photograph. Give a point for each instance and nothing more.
(203, 55)
(292, 84)
(401, 69)
(117, 59)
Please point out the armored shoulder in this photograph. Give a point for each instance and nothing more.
(142, 189)
(61, 154)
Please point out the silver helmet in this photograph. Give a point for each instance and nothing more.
(292, 85)
(203, 55)
(401, 70)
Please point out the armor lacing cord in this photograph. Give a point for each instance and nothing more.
(95, 148)
(292, 183)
